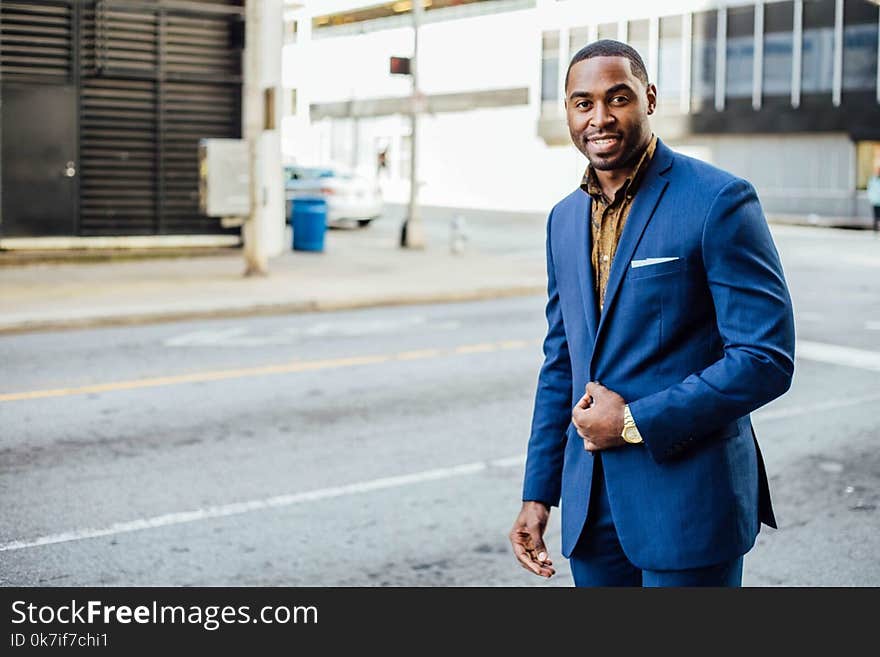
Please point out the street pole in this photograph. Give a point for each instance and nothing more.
(412, 235)
(255, 256)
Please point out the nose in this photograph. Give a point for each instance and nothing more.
(601, 116)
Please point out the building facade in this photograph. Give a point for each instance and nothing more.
(103, 105)
(785, 93)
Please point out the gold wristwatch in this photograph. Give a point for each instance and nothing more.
(630, 431)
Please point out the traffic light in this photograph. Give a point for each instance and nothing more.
(400, 66)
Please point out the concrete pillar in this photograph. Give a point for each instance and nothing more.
(263, 232)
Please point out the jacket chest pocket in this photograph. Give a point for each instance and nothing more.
(663, 283)
(656, 270)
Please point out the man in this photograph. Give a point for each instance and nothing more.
(668, 309)
(382, 161)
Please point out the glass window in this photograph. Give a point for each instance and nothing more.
(290, 31)
(740, 52)
(289, 99)
(778, 48)
(550, 66)
(818, 57)
(669, 80)
(867, 162)
(638, 38)
(578, 37)
(860, 45)
(705, 28)
(608, 31)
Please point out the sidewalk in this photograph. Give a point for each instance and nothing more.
(356, 269)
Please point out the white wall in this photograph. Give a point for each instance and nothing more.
(793, 174)
(493, 158)
(487, 158)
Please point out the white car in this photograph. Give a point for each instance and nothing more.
(351, 199)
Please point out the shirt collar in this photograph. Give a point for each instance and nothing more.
(590, 183)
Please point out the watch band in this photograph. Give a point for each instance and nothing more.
(630, 431)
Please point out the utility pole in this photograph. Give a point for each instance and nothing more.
(412, 234)
(255, 255)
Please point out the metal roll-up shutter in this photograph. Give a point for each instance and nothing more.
(199, 46)
(36, 41)
(118, 114)
(200, 98)
(118, 157)
(192, 111)
(157, 78)
(145, 81)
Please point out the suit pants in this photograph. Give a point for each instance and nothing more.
(598, 558)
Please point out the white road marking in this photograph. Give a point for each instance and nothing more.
(816, 351)
(862, 260)
(237, 508)
(224, 510)
(509, 462)
(242, 337)
(793, 411)
(837, 355)
(207, 337)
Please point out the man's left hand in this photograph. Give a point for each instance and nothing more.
(598, 417)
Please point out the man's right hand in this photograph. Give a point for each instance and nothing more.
(527, 539)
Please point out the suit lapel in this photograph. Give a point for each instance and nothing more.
(640, 214)
(583, 245)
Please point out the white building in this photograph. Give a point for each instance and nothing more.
(785, 93)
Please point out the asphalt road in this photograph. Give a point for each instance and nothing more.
(384, 446)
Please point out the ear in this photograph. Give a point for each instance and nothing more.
(651, 94)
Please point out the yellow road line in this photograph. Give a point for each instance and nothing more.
(516, 344)
(282, 368)
(418, 355)
(477, 348)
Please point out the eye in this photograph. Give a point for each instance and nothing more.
(583, 104)
(620, 100)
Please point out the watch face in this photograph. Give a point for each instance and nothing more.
(630, 436)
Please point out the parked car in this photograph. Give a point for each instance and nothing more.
(352, 200)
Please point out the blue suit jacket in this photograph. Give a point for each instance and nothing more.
(693, 344)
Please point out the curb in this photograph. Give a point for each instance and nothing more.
(13, 258)
(264, 310)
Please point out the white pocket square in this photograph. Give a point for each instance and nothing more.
(651, 261)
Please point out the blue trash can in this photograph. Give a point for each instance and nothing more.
(309, 221)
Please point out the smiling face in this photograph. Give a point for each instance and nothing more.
(607, 109)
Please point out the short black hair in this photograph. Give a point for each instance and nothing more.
(611, 48)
